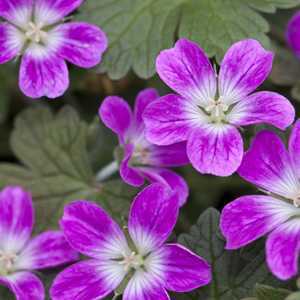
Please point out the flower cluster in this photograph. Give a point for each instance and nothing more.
(34, 30)
(199, 124)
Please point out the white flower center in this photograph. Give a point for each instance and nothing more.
(140, 155)
(34, 33)
(217, 110)
(133, 261)
(7, 261)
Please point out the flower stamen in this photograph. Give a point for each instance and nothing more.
(133, 261)
(217, 110)
(35, 33)
(7, 261)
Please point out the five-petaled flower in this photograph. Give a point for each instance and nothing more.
(138, 264)
(208, 110)
(20, 256)
(293, 33)
(276, 171)
(138, 158)
(34, 30)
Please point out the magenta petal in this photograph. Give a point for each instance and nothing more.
(116, 114)
(91, 231)
(86, 280)
(144, 98)
(293, 33)
(263, 107)
(82, 44)
(215, 149)
(171, 179)
(49, 249)
(245, 66)
(152, 217)
(187, 70)
(49, 12)
(130, 175)
(25, 286)
(43, 74)
(267, 164)
(11, 42)
(170, 119)
(16, 218)
(184, 270)
(250, 217)
(294, 147)
(145, 286)
(283, 247)
(169, 156)
(17, 12)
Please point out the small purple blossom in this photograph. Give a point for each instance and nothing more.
(209, 108)
(140, 159)
(293, 33)
(20, 256)
(138, 265)
(276, 171)
(34, 30)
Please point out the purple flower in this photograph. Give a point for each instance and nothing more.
(20, 256)
(276, 171)
(209, 110)
(139, 158)
(139, 264)
(293, 33)
(34, 30)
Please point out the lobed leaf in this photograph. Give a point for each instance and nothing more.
(56, 166)
(234, 273)
(264, 292)
(139, 29)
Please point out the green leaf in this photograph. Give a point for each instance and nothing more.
(56, 166)
(285, 60)
(234, 274)
(264, 292)
(293, 296)
(139, 29)
(270, 6)
(216, 24)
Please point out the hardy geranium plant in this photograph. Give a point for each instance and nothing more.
(209, 108)
(276, 171)
(138, 264)
(20, 256)
(34, 30)
(139, 159)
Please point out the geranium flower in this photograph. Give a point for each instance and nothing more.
(276, 171)
(138, 158)
(34, 30)
(138, 264)
(293, 33)
(21, 256)
(209, 109)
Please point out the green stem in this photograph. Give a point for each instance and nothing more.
(107, 171)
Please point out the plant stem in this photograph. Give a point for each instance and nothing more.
(107, 171)
(115, 297)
